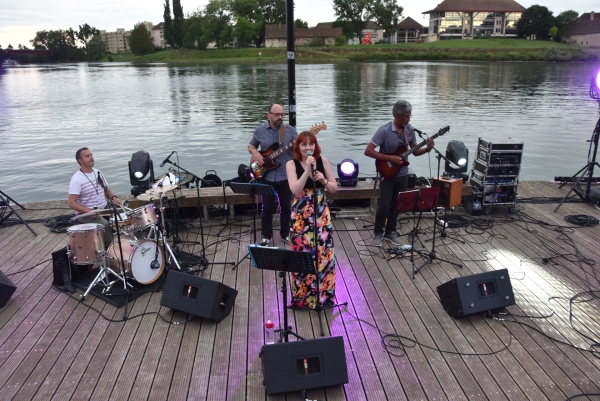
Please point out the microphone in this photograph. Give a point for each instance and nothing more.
(100, 180)
(418, 132)
(167, 159)
(312, 166)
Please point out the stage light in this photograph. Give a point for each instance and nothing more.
(598, 80)
(458, 154)
(595, 87)
(348, 173)
(140, 166)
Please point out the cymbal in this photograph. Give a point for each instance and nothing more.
(98, 212)
(163, 189)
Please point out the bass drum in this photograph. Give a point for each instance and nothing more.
(139, 258)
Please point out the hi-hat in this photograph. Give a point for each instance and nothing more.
(98, 212)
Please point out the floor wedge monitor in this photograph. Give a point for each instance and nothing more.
(198, 296)
(6, 289)
(477, 293)
(304, 365)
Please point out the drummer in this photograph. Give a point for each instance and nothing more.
(88, 191)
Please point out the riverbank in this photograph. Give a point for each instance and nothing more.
(466, 50)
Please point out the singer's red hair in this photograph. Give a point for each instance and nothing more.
(306, 136)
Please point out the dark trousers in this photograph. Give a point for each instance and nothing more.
(388, 199)
(282, 188)
(108, 234)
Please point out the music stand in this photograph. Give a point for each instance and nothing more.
(284, 261)
(5, 214)
(407, 202)
(251, 189)
(428, 201)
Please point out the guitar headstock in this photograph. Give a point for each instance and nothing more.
(315, 129)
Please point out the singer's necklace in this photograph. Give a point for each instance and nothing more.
(88, 178)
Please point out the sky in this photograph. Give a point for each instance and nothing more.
(20, 20)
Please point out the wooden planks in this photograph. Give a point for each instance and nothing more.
(53, 347)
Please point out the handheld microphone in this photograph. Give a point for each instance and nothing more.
(167, 159)
(312, 166)
(100, 180)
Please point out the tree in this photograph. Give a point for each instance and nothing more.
(86, 33)
(193, 32)
(271, 12)
(60, 43)
(168, 25)
(355, 11)
(553, 32)
(387, 14)
(246, 32)
(564, 22)
(217, 26)
(536, 20)
(177, 23)
(95, 47)
(300, 24)
(140, 40)
(347, 27)
(249, 21)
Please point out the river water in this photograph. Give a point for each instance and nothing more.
(207, 113)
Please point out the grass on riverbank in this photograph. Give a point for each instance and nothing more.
(469, 50)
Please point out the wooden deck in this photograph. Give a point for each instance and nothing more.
(54, 347)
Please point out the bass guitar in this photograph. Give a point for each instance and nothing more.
(390, 170)
(274, 152)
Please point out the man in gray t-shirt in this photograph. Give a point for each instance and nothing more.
(389, 137)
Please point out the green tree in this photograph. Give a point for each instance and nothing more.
(271, 12)
(387, 14)
(60, 43)
(168, 25)
(95, 48)
(347, 27)
(249, 21)
(564, 22)
(355, 11)
(177, 23)
(300, 24)
(86, 33)
(341, 40)
(193, 32)
(536, 20)
(140, 40)
(246, 32)
(553, 32)
(217, 27)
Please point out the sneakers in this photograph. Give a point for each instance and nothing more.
(377, 239)
(393, 238)
(265, 241)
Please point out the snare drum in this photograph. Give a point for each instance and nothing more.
(142, 217)
(122, 221)
(86, 243)
(138, 259)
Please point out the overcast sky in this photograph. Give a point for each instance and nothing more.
(20, 20)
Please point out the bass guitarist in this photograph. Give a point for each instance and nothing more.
(274, 132)
(391, 137)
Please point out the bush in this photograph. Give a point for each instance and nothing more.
(341, 40)
(316, 42)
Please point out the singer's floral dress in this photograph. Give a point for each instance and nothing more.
(304, 286)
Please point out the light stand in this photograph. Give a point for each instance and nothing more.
(5, 202)
(587, 172)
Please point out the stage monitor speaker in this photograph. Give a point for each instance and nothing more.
(304, 365)
(6, 289)
(198, 296)
(450, 191)
(476, 293)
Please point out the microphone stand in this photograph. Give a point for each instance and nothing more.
(203, 261)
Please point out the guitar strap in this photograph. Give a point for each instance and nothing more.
(281, 134)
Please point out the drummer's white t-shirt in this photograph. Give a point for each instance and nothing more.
(91, 193)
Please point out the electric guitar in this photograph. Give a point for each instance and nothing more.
(390, 170)
(274, 152)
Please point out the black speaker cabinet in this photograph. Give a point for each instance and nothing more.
(304, 365)
(198, 296)
(6, 289)
(476, 293)
(450, 191)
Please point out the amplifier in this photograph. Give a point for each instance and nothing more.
(491, 171)
(509, 144)
(487, 184)
(495, 158)
(502, 194)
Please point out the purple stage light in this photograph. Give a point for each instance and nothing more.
(598, 80)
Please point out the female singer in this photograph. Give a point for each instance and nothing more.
(306, 171)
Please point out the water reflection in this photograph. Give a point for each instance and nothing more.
(208, 113)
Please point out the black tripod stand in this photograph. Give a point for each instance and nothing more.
(203, 261)
(252, 189)
(5, 214)
(284, 261)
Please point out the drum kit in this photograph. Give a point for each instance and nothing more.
(137, 253)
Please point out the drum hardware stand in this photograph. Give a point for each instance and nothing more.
(5, 202)
(162, 234)
(430, 203)
(251, 189)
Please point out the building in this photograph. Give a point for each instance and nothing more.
(376, 31)
(158, 35)
(116, 42)
(586, 30)
(460, 19)
(409, 31)
(276, 35)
